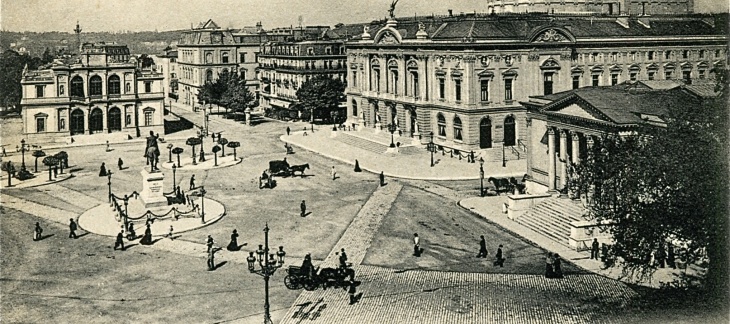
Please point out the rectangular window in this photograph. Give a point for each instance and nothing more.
(484, 90)
(310, 51)
(242, 57)
(39, 91)
(702, 53)
(594, 80)
(686, 76)
(667, 55)
(61, 90)
(651, 75)
(148, 87)
(457, 89)
(507, 89)
(614, 79)
(416, 90)
(701, 74)
(632, 75)
(650, 55)
(354, 79)
(442, 88)
(668, 75)
(576, 81)
(685, 54)
(40, 125)
(633, 56)
(547, 83)
(147, 118)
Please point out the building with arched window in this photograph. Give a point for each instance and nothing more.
(462, 77)
(96, 101)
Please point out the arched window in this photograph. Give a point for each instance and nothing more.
(485, 133)
(128, 88)
(441, 121)
(354, 108)
(209, 76)
(457, 128)
(77, 87)
(95, 86)
(224, 57)
(509, 131)
(114, 87)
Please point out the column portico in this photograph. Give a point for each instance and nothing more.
(563, 159)
(576, 148)
(551, 158)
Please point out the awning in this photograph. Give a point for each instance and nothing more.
(279, 103)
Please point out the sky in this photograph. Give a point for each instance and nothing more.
(136, 15)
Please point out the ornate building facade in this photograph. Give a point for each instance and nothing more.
(463, 77)
(609, 7)
(100, 91)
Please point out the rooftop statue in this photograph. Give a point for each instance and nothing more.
(392, 9)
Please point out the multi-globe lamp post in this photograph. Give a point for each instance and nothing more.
(481, 176)
(392, 128)
(267, 267)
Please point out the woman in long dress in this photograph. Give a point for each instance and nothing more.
(549, 266)
(147, 238)
(233, 246)
(556, 267)
(102, 170)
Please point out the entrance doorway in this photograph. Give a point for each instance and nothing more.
(77, 122)
(509, 131)
(485, 133)
(115, 119)
(96, 121)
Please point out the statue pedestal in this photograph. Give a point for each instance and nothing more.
(152, 189)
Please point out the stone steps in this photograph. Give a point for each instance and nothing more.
(552, 218)
(363, 143)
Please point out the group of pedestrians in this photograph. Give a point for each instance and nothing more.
(498, 257)
(553, 267)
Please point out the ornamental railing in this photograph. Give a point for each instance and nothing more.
(454, 152)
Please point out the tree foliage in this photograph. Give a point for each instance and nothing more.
(235, 95)
(321, 95)
(11, 71)
(665, 185)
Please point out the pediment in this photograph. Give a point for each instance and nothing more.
(573, 109)
(388, 36)
(552, 34)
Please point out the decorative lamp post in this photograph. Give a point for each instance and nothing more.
(504, 161)
(174, 183)
(215, 154)
(431, 147)
(202, 154)
(109, 183)
(177, 151)
(267, 267)
(222, 142)
(126, 213)
(202, 204)
(23, 148)
(37, 154)
(392, 128)
(481, 176)
(169, 149)
(234, 145)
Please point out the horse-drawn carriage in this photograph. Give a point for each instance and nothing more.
(509, 185)
(311, 279)
(282, 168)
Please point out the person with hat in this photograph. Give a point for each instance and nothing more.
(37, 232)
(120, 241)
(233, 245)
(72, 227)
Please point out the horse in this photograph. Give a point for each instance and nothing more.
(520, 187)
(501, 185)
(335, 277)
(152, 157)
(298, 168)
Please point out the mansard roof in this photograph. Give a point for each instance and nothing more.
(553, 28)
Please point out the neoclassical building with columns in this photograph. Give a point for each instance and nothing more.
(462, 77)
(100, 91)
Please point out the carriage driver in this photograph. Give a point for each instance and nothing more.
(307, 266)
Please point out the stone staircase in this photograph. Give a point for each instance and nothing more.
(551, 218)
(362, 143)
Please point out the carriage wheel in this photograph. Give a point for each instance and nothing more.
(291, 282)
(310, 285)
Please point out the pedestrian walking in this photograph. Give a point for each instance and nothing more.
(37, 233)
(482, 248)
(107, 146)
(498, 259)
(120, 163)
(169, 234)
(333, 173)
(211, 258)
(549, 273)
(594, 249)
(132, 235)
(416, 245)
(557, 270)
(120, 241)
(303, 206)
(604, 252)
(4, 153)
(102, 170)
(382, 178)
(209, 242)
(351, 290)
(357, 166)
(288, 130)
(233, 245)
(72, 227)
(192, 182)
(147, 237)
(343, 258)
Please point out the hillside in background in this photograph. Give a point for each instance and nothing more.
(148, 42)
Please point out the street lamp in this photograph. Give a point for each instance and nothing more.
(23, 148)
(202, 204)
(109, 183)
(267, 267)
(431, 147)
(481, 176)
(504, 161)
(391, 129)
(169, 149)
(174, 183)
(202, 154)
(126, 212)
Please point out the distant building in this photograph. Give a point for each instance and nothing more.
(167, 65)
(100, 91)
(609, 7)
(285, 66)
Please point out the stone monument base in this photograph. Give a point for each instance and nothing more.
(152, 189)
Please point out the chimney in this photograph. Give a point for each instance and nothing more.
(451, 12)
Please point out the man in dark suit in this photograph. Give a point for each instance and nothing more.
(120, 241)
(482, 248)
(498, 258)
(72, 227)
(594, 249)
(303, 207)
